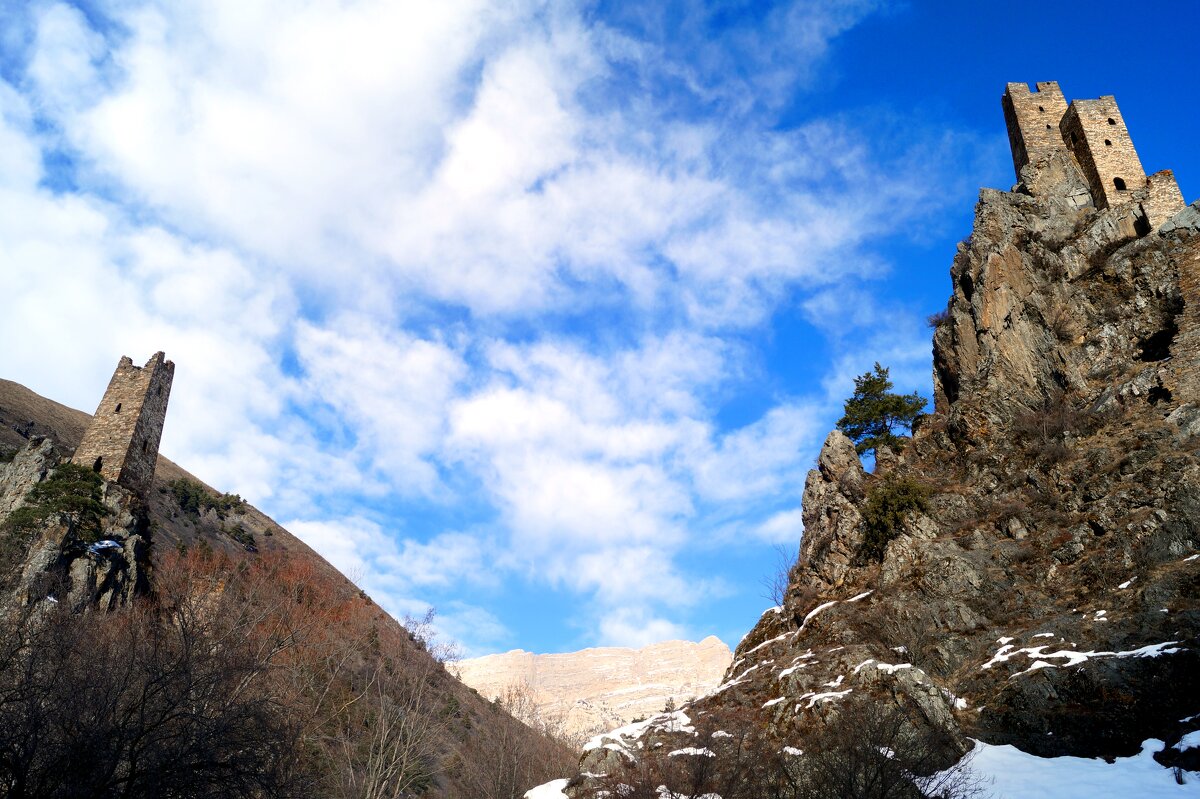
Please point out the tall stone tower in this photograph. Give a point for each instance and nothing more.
(121, 443)
(1032, 119)
(1093, 132)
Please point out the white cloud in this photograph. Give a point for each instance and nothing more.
(419, 259)
(388, 388)
(784, 527)
(629, 627)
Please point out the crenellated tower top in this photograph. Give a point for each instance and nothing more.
(121, 442)
(1093, 132)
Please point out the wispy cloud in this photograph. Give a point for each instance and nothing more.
(453, 278)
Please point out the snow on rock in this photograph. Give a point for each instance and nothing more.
(888, 668)
(827, 696)
(666, 793)
(825, 606)
(1073, 658)
(771, 702)
(623, 739)
(774, 640)
(793, 751)
(791, 669)
(693, 750)
(551, 790)
(1009, 773)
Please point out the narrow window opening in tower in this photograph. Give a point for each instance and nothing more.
(159, 392)
(1108, 142)
(145, 444)
(1112, 121)
(99, 463)
(1041, 109)
(1119, 183)
(1047, 126)
(117, 409)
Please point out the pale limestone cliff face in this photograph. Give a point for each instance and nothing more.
(598, 689)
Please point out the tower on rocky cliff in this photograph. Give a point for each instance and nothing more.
(121, 443)
(1041, 123)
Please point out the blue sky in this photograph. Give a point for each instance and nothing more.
(537, 312)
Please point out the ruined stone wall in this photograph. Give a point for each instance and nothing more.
(1032, 119)
(121, 442)
(1096, 135)
(1163, 197)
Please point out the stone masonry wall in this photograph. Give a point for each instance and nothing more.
(1163, 197)
(1032, 119)
(1096, 135)
(121, 442)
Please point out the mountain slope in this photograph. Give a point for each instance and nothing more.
(1040, 577)
(475, 748)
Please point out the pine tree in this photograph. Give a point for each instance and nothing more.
(874, 412)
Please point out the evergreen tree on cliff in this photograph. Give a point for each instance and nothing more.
(874, 412)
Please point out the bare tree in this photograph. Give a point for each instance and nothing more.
(775, 583)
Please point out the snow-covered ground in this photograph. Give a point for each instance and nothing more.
(551, 790)
(1013, 774)
(1009, 773)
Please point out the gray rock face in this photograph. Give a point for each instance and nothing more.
(57, 564)
(1049, 597)
(27, 469)
(831, 519)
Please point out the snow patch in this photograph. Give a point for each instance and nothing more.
(790, 669)
(771, 702)
(624, 739)
(693, 750)
(666, 793)
(827, 696)
(793, 751)
(774, 640)
(885, 667)
(1127, 583)
(1014, 774)
(551, 790)
(1073, 658)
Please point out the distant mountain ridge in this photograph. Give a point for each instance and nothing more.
(604, 687)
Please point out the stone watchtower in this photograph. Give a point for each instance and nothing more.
(1093, 132)
(121, 443)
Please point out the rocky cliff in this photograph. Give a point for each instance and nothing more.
(1039, 587)
(605, 687)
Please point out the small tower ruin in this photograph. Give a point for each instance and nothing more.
(1032, 119)
(121, 443)
(1093, 132)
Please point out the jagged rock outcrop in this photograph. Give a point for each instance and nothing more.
(604, 687)
(58, 564)
(1048, 594)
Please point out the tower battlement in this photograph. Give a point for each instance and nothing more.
(1093, 132)
(1033, 119)
(121, 442)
